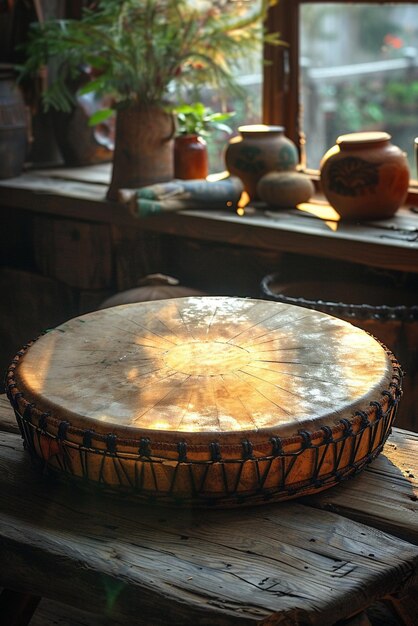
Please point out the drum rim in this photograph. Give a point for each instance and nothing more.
(261, 440)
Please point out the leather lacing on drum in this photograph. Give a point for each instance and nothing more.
(263, 456)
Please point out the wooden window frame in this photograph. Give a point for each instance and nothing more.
(281, 79)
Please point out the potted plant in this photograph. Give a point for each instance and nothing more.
(194, 122)
(140, 53)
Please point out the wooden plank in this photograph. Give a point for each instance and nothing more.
(62, 198)
(274, 564)
(7, 419)
(136, 254)
(386, 494)
(92, 174)
(30, 304)
(291, 234)
(77, 253)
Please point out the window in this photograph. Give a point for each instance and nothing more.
(347, 67)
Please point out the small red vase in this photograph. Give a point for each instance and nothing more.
(190, 157)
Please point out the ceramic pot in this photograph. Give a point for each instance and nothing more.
(364, 176)
(257, 150)
(285, 189)
(144, 148)
(13, 127)
(79, 143)
(190, 157)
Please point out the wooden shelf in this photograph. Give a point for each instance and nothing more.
(79, 193)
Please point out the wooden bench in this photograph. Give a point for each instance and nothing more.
(319, 560)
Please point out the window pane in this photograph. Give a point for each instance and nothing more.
(359, 67)
(247, 106)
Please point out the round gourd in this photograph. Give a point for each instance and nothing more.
(281, 189)
(152, 287)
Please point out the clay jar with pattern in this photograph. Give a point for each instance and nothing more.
(364, 176)
(257, 150)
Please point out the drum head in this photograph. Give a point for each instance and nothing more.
(200, 382)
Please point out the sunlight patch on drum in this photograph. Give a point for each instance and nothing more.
(185, 325)
(274, 340)
(193, 313)
(211, 321)
(159, 378)
(134, 374)
(283, 334)
(234, 318)
(187, 410)
(36, 369)
(282, 327)
(274, 384)
(213, 401)
(230, 417)
(145, 345)
(156, 401)
(334, 378)
(370, 365)
(269, 400)
(255, 325)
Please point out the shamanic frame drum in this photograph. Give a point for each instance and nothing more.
(205, 400)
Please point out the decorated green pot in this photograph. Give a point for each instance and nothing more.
(257, 150)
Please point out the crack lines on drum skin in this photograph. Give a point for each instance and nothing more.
(158, 321)
(215, 404)
(285, 324)
(239, 398)
(186, 326)
(145, 345)
(125, 330)
(284, 349)
(278, 339)
(160, 401)
(266, 382)
(186, 412)
(263, 395)
(297, 362)
(211, 321)
(159, 380)
(253, 326)
(270, 331)
(313, 378)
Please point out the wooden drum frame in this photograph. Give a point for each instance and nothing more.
(206, 401)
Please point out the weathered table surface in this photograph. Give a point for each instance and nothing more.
(311, 561)
(80, 193)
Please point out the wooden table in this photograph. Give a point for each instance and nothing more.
(311, 561)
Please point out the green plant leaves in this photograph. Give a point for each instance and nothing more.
(197, 119)
(100, 116)
(142, 48)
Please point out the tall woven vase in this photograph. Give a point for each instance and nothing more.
(144, 148)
